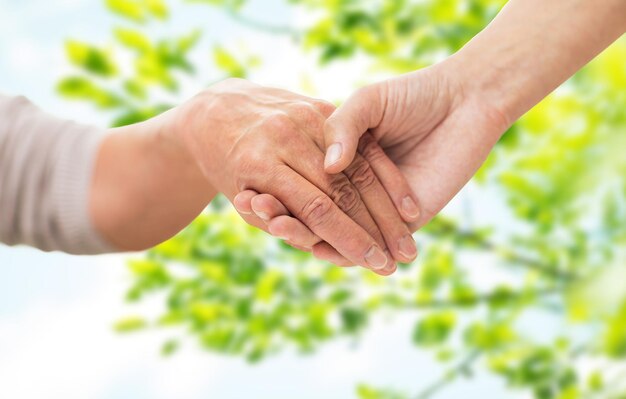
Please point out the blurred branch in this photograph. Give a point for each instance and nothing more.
(463, 368)
(473, 237)
(485, 298)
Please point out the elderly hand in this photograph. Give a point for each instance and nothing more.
(247, 137)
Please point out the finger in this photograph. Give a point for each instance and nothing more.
(317, 211)
(267, 207)
(337, 187)
(276, 221)
(324, 251)
(291, 229)
(243, 202)
(395, 232)
(298, 247)
(300, 236)
(281, 224)
(255, 221)
(388, 271)
(344, 128)
(392, 179)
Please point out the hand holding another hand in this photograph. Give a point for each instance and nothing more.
(430, 125)
(247, 137)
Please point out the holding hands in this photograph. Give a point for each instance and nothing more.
(438, 125)
(347, 184)
(271, 141)
(437, 147)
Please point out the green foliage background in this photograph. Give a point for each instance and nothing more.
(559, 172)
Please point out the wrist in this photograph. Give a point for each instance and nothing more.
(163, 146)
(482, 80)
(193, 130)
(476, 88)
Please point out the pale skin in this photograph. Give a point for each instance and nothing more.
(155, 177)
(439, 124)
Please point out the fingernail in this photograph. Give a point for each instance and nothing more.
(409, 207)
(391, 266)
(262, 215)
(407, 247)
(333, 154)
(389, 270)
(376, 258)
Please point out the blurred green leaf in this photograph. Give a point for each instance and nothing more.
(228, 63)
(615, 337)
(90, 58)
(130, 9)
(130, 324)
(80, 88)
(169, 347)
(133, 39)
(139, 10)
(434, 329)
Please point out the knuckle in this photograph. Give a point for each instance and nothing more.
(362, 175)
(304, 108)
(346, 197)
(278, 123)
(325, 107)
(317, 211)
(307, 113)
(370, 149)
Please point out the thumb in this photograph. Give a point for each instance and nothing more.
(362, 111)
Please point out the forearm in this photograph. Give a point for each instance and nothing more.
(533, 46)
(146, 186)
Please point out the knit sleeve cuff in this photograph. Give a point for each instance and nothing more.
(71, 190)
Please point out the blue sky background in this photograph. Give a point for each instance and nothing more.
(56, 310)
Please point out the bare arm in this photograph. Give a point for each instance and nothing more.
(533, 46)
(146, 187)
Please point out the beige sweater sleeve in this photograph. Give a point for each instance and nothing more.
(46, 166)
